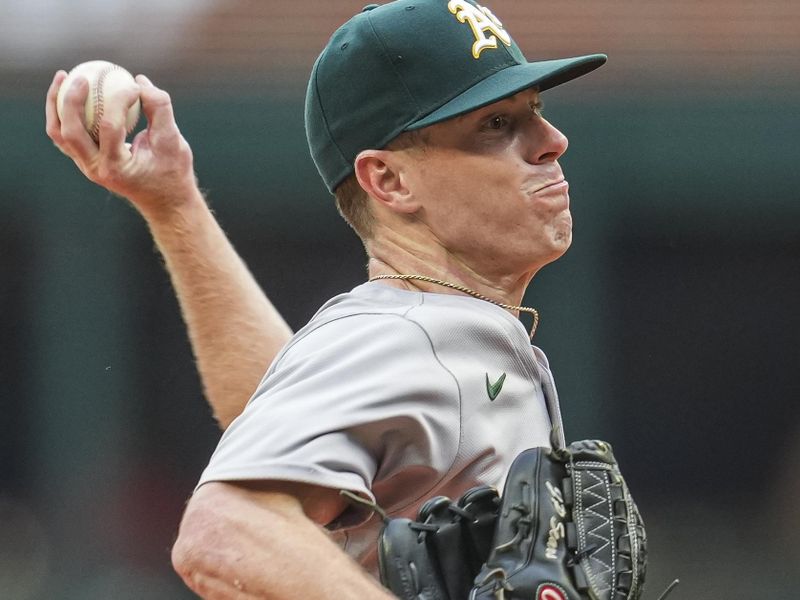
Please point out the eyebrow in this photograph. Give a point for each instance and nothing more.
(537, 104)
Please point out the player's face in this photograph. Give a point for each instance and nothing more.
(494, 194)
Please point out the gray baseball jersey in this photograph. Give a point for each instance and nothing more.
(397, 396)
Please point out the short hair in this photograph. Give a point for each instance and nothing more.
(352, 201)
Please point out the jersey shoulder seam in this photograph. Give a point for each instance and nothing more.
(447, 472)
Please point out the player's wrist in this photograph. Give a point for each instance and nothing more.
(177, 205)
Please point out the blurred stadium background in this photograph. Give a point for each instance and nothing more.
(672, 324)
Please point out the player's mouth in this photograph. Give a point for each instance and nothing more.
(560, 186)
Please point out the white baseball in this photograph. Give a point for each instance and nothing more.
(106, 81)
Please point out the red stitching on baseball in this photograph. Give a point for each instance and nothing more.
(98, 102)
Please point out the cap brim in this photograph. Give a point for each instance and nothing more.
(543, 74)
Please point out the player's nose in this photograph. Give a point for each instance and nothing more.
(546, 143)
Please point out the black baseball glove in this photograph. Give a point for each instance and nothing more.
(437, 556)
(566, 529)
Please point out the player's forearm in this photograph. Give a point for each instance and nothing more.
(234, 329)
(232, 547)
(278, 580)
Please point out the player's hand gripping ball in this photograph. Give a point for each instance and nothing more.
(107, 82)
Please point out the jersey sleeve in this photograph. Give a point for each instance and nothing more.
(352, 404)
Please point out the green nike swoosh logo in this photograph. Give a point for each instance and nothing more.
(493, 389)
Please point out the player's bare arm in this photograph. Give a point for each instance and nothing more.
(259, 541)
(234, 329)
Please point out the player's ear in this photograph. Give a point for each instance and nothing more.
(382, 175)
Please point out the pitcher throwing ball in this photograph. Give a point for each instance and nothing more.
(424, 120)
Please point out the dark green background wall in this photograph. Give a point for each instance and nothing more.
(672, 327)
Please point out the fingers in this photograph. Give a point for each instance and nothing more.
(65, 123)
(113, 125)
(157, 107)
(75, 140)
(52, 122)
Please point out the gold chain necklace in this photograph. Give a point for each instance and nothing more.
(466, 290)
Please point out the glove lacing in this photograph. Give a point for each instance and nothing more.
(523, 524)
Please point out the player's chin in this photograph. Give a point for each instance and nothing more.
(561, 234)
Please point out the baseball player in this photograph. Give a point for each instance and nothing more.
(424, 119)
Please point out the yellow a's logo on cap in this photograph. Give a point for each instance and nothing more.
(482, 21)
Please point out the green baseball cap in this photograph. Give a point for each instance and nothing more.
(409, 64)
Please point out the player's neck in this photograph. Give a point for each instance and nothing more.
(387, 257)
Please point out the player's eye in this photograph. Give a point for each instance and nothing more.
(496, 123)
